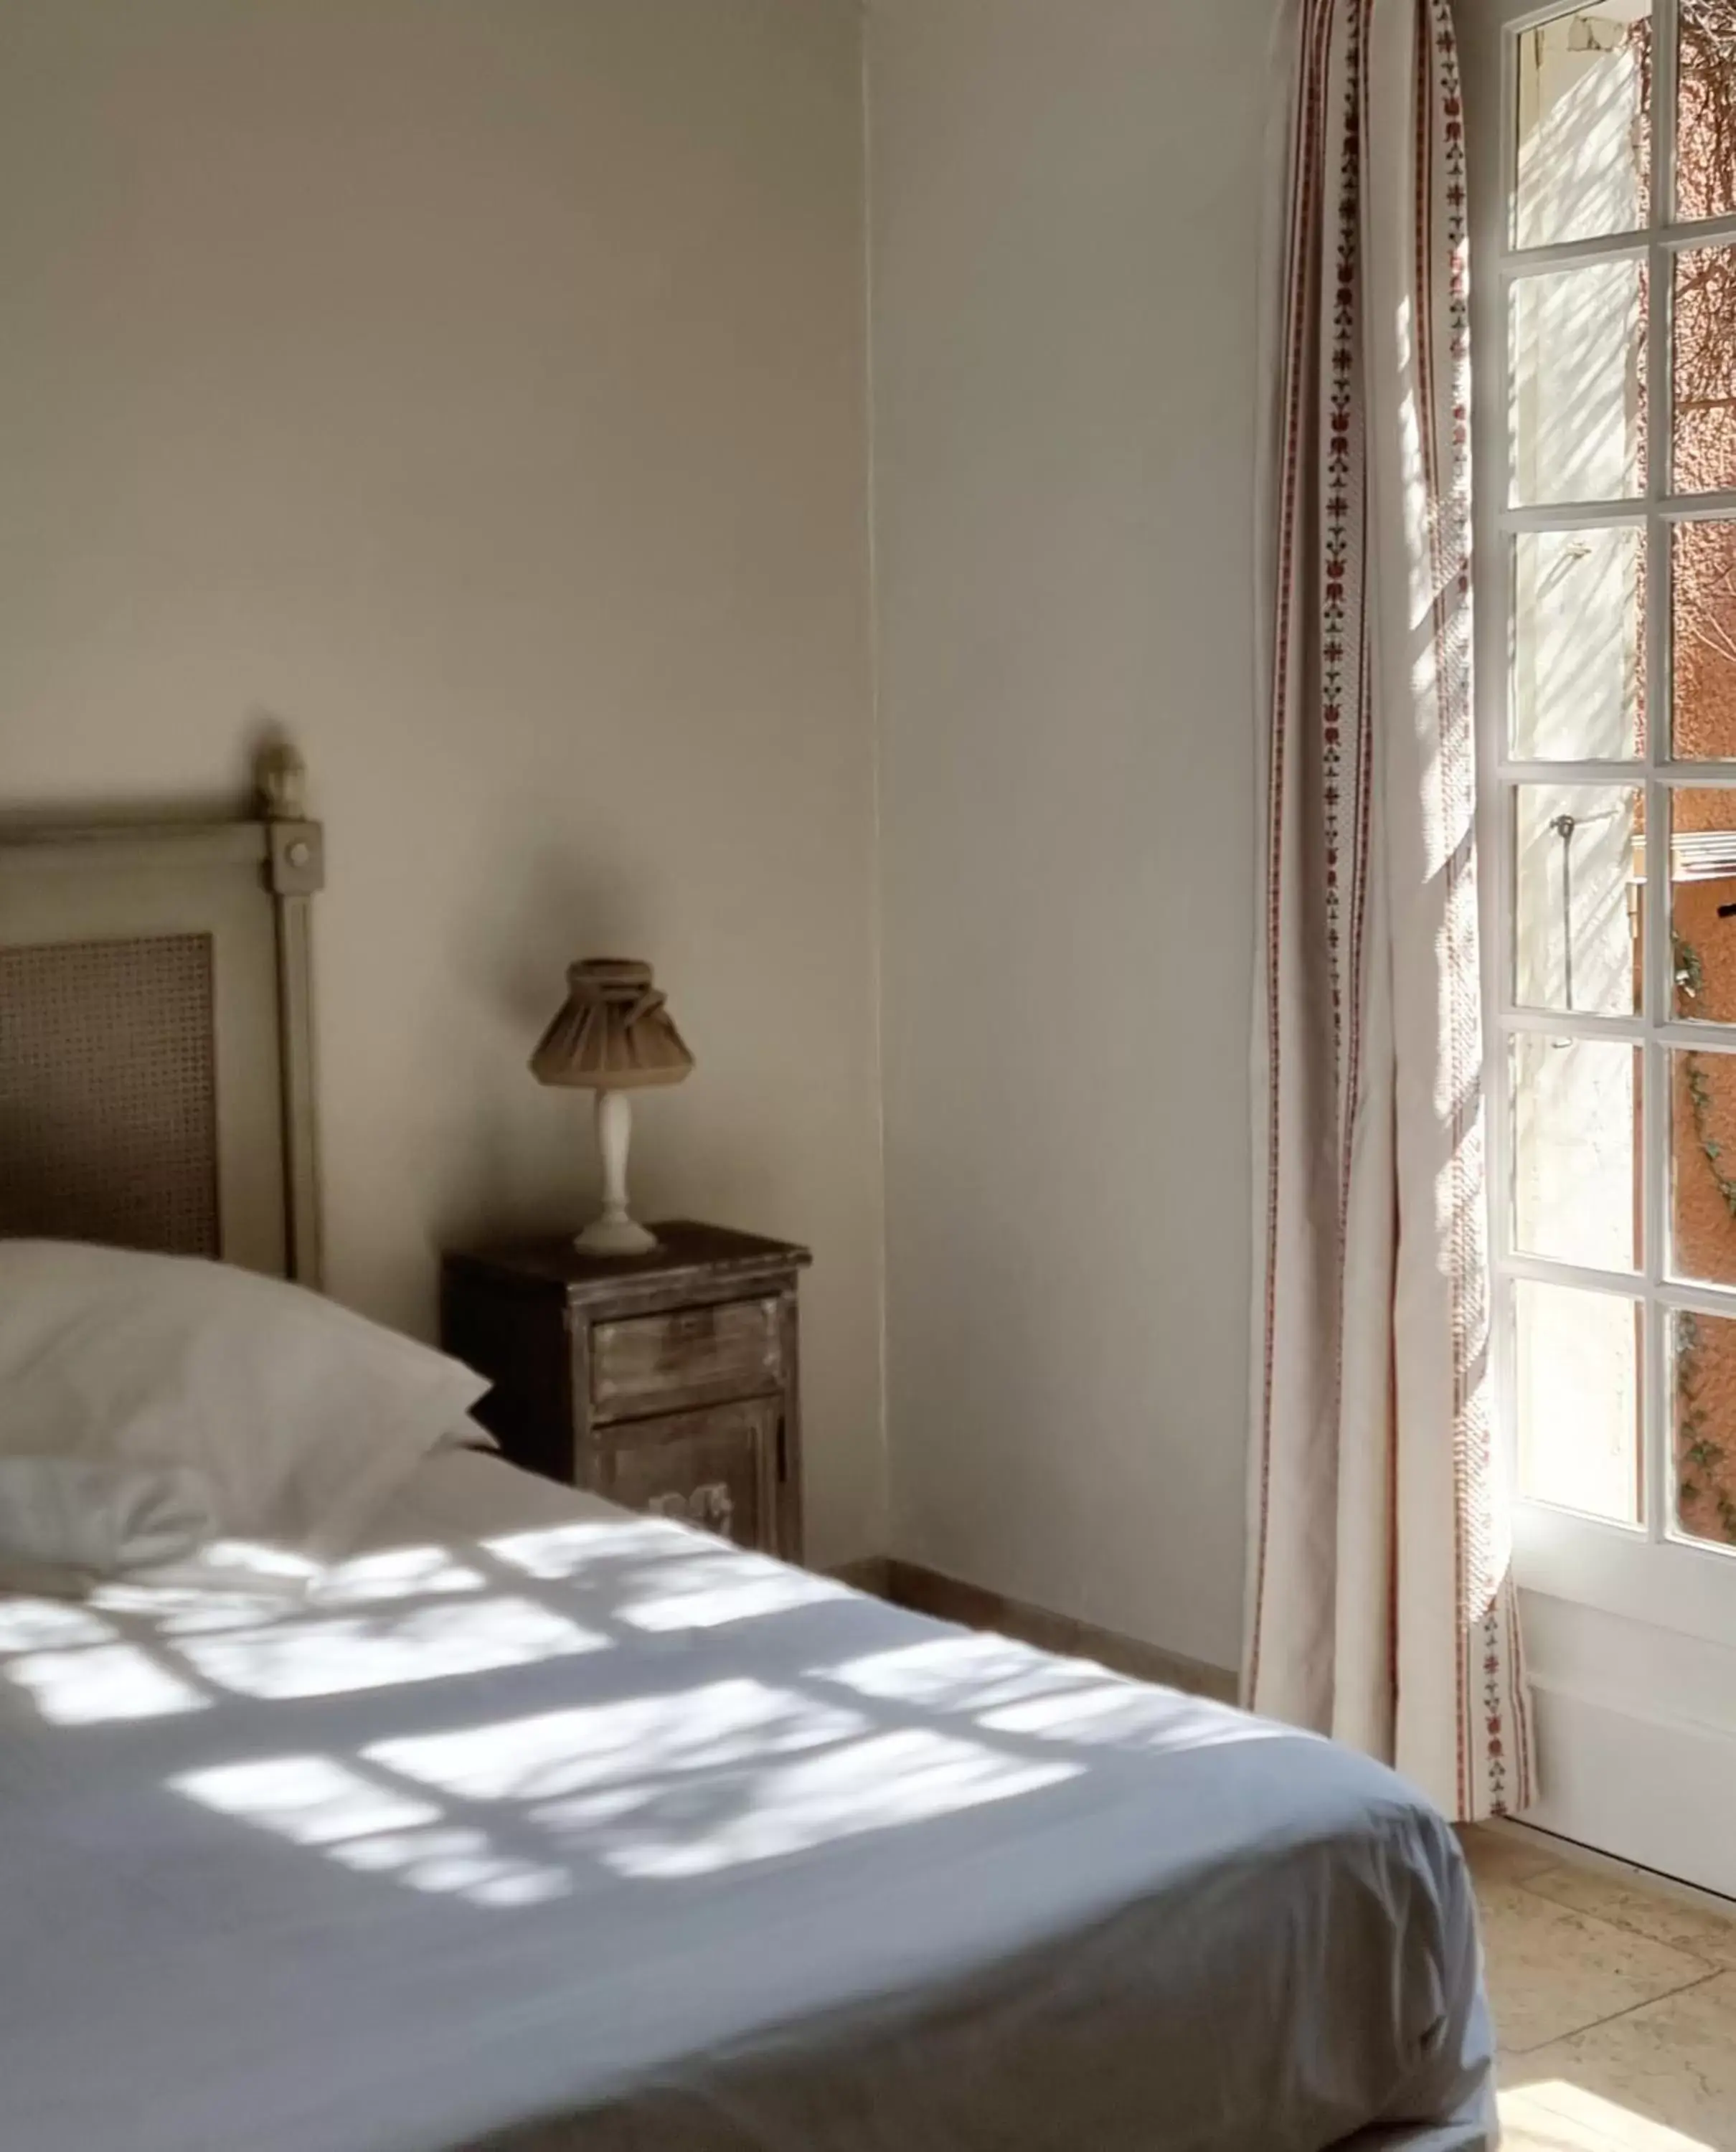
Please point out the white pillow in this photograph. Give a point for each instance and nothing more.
(301, 1416)
(79, 1513)
(469, 1434)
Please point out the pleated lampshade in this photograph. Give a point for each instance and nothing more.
(614, 1032)
(614, 1035)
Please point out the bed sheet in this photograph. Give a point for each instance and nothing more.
(537, 1826)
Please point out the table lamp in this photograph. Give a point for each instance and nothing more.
(613, 1036)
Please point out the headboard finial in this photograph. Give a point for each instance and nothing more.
(283, 782)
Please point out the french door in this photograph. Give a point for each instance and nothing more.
(1603, 159)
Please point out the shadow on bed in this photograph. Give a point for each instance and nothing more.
(603, 1821)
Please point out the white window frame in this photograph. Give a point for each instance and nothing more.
(1649, 1572)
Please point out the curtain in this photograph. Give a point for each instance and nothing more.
(1382, 1609)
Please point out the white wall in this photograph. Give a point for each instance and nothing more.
(1065, 204)
(479, 390)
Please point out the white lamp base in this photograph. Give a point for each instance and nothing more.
(613, 1232)
(616, 1236)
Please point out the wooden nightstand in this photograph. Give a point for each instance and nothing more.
(667, 1382)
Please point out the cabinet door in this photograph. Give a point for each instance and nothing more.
(717, 1470)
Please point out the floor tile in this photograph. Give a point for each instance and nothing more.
(1630, 1904)
(1552, 1971)
(1664, 2073)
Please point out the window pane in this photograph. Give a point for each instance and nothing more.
(1576, 1192)
(1705, 374)
(1576, 1360)
(1703, 1168)
(1705, 100)
(1703, 1405)
(1579, 339)
(1584, 91)
(1703, 878)
(1578, 897)
(1579, 667)
(1703, 579)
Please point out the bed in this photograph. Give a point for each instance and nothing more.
(529, 1824)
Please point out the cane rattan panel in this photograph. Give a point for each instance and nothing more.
(108, 1092)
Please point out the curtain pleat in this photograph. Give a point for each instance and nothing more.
(1382, 1607)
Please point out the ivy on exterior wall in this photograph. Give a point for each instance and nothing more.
(1699, 1454)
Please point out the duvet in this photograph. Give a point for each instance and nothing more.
(537, 1826)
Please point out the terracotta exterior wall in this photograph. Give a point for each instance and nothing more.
(1704, 1085)
(1703, 723)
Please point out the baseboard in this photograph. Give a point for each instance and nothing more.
(949, 1599)
(869, 1575)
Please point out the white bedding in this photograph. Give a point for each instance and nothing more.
(542, 1826)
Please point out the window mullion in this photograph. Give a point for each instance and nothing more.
(1573, 253)
(1655, 1108)
(1572, 1023)
(1697, 776)
(1657, 1489)
(1598, 515)
(1546, 1269)
(1578, 772)
(1666, 44)
(1696, 1038)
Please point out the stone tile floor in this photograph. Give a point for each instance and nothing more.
(1615, 2005)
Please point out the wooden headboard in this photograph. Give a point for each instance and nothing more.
(156, 1051)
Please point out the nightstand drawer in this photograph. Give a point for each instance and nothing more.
(717, 1470)
(693, 1356)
